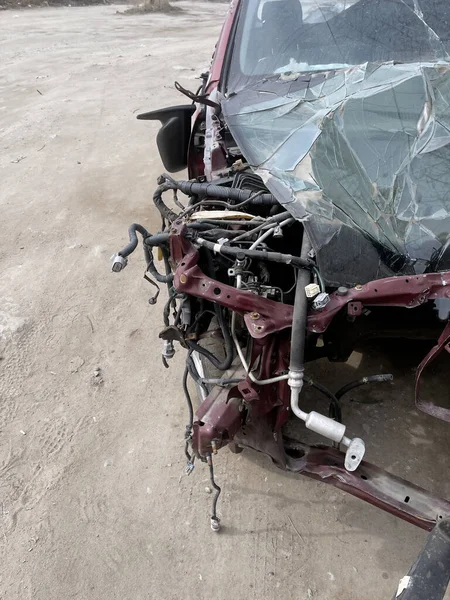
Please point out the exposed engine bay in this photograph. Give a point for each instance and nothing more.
(247, 302)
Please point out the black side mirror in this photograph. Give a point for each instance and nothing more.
(173, 137)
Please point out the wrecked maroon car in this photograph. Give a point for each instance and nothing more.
(316, 215)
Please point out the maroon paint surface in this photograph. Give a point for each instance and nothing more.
(263, 316)
(373, 485)
(404, 291)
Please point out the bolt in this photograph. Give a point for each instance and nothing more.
(214, 446)
(342, 291)
(358, 287)
(183, 278)
(254, 315)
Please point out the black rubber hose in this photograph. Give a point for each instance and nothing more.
(194, 374)
(206, 353)
(199, 315)
(188, 431)
(166, 309)
(335, 407)
(192, 188)
(166, 256)
(152, 269)
(131, 247)
(371, 379)
(156, 240)
(216, 487)
(229, 346)
(202, 226)
(298, 335)
(165, 211)
(278, 257)
(149, 242)
(188, 397)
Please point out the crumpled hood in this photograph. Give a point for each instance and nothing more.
(362, 156)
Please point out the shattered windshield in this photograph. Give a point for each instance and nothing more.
(288, 36)
(343, 108)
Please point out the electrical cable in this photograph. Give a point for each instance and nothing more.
(335, 411)
(371, 379)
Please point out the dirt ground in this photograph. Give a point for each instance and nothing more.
(94, 503)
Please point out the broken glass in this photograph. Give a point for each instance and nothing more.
(343, 108)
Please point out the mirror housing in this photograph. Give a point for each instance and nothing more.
(173, 137)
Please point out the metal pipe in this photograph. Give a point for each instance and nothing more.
(268, 233)
(315, 421)
(241, 354)
(268, 222)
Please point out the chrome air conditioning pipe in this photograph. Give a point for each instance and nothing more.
(315, 421)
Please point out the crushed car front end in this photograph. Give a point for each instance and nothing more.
(317, 217)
